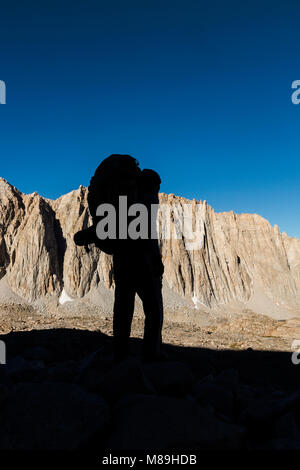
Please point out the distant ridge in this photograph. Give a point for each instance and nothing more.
(242, 259)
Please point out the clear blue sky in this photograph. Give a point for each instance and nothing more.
(199, 91)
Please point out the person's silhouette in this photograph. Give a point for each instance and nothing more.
(137, 263)
(138, 268)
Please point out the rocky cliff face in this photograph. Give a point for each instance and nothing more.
(238, 258)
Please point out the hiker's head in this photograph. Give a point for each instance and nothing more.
(122, 172)
(125, 163)
(150, 181)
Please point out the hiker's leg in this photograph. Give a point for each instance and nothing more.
(151, 296)
(123, 313)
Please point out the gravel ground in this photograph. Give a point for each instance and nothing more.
(235, 331)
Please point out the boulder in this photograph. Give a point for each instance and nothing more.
(160, 423)
(286, 427)
(265, 411)
(37, 353)
(51, 416)
(170, 378)
(219, 398)
(228, 379)
(20, 369)
(123, 379)
(65, 371)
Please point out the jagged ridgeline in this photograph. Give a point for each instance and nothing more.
(239, 258)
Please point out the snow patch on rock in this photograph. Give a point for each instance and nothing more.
(64, 297)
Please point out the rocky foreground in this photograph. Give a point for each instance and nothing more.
(228, 383)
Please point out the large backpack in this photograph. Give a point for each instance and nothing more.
(112, 178)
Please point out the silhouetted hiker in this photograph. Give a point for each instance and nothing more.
(139, 270)
(149, 186)
(115, 176)
(137, 263)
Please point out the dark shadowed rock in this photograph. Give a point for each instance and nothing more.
(93, 368)
(284, 444)
(229, 379)
(157, 423)
(245, 396)
(4, 392)
(170, 378)
(20, 369)
(123, 379)
(95, 360)
(286, 427)
(37, 353)
(62, 372)
(209, 393)
(4, 377)
(264, 411)
(51, 416)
